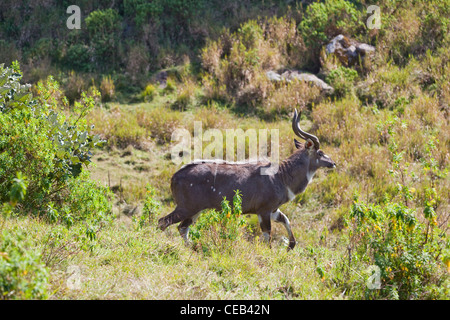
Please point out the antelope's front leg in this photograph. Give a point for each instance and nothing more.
(265, 224)
(280, 217)
(183, 228)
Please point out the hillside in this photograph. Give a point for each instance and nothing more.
(86, 150)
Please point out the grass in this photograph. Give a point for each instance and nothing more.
(128, 261)
(387, 129)
(148, 264)
(132, 263)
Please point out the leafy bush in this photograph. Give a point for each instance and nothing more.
(149, 93)
(342, 80)
(84, 200)
(407, 251)
(400, 235)
(22, 274)
(324, 20)
(38, 140)
(218, 230)
(24, 144)
(103, 27)
(77, 57)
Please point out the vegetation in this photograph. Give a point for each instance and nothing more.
(85, 149)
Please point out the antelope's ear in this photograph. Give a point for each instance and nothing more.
(297, 144)
(309, 144)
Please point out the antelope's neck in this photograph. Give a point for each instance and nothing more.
(296, 174)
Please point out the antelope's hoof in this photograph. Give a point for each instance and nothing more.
(162, 224)
(291, 245)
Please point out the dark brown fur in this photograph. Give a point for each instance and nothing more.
(203, 185)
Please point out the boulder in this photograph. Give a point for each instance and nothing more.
(348, 51)
(290, 75)
(273, 76)
(307, 77)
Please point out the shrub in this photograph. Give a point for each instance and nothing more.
(103, 27)
(240, 73)
(297, 94)
(118, 127)
(22, 274)
(159, 123)
(400, 235)
(44, 48)
(170, 86)
(137, 63)
(436, 25)
(343, 121)
(77, 57)
(107, 89)
(24, 143)
(388, 83)
(185, 94)
(407, 251)
(324, 20)
(84, 200)
(342, 80)
(149, 93)
(9, 52)
(39, 141)
(216, 231)
(414, 30)
(73, 86)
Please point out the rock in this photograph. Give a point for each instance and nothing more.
(365, 48)
(308, 77)
(273, 76)
(290, 75)
(348, 50)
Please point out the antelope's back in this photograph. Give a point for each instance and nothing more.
(203, 185)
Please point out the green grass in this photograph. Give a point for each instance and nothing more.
(132, 263)
(128, 261)
(387, 128)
